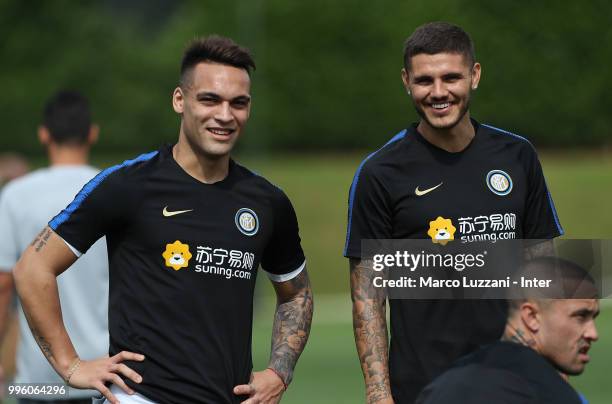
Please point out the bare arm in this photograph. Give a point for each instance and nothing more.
(370, 328)
(35, 277)
(290, 332)
(6, 294)
(35, 273)
(292, 322)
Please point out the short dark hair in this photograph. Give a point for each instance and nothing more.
(67, 117)
(570, 281)
(215, 49)
(439, 37)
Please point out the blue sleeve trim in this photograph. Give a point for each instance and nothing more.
(91, 185)
(550, 201)
(554, 211)
(505, 132)
(394, 139)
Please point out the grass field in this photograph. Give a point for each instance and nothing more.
(329, 370)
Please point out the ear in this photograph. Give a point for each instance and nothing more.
(406, 79)
(178, 100)
(530, 316)
(476, 70)
(94, 132)
(44, 137)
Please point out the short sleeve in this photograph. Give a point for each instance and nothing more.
(541, 220)
(93, 212)
(369, 213)
(9, 250)
(283, 257)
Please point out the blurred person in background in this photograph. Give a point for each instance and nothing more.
(448, 168)
(12, 166)
(548, 334)
(187, 228)
(67, 133)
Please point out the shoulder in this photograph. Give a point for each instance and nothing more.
(25, 183)
(388, 152)
(457, 386)
(252, 179)
(508, 138)
(374, 164)
(125, 174)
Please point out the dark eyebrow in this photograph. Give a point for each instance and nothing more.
(207, 94)
(453, 76)
(586, 312)
(422, 78)
(242, 98)
(214, 96)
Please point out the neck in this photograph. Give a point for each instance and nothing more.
(62, 155)
(201, 167)
(519, 335)
(454, 139)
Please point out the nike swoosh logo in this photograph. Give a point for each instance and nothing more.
(169, 213)
(425, 191)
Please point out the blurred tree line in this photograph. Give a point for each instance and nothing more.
(328, 73)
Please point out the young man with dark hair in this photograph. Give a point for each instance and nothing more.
(26, 205)
(187, 228)
(548, 334)
(486, 183)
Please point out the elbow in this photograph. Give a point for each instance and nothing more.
(19, 273)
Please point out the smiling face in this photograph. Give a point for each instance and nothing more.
(214, 105)
(567, 331)
(440, 86)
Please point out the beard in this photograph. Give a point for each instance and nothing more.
(462, 112)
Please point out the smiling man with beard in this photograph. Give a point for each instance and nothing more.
(484, 183)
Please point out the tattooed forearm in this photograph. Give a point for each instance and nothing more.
(43, 344)
(542, 249)
(370, 328)
(41, 240)
(291, 324)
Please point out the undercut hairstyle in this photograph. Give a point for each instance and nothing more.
(569, 281)
(439, 37)
(214, 49)
(68, 118)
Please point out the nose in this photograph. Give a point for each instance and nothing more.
(439, 89)
(224, 113)
(591, 332)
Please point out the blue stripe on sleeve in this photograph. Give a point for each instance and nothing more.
(91, 185)
(394, 139)
(550, 201)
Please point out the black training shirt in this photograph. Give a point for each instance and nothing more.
(492, 190)
(501, 373)
(183, 259)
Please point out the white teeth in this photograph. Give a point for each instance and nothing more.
(441, 106)
(220, 131)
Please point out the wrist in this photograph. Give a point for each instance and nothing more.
(70, 368)
(279, 376)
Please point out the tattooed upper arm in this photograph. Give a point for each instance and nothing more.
(41, 240)
(292, 322)
(288, 289)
